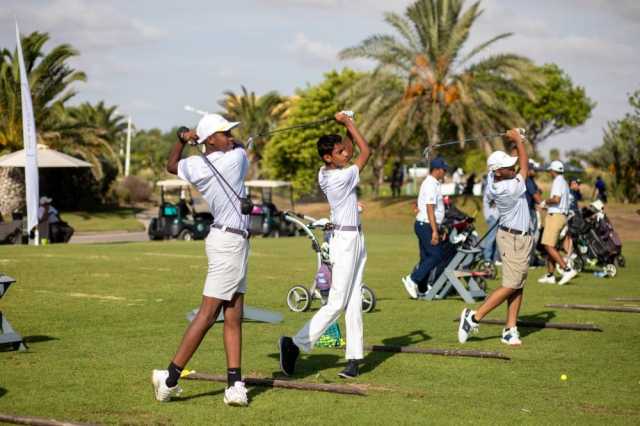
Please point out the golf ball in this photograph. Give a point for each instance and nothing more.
(563, 377)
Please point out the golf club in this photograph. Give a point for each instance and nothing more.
(427, 151)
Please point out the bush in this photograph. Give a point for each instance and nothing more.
(132, 189)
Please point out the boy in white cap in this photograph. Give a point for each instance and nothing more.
(226, 246)
(338, 181)
(508, 190)
(557, 213)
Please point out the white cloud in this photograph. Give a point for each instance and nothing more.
(312, 52)
(82, 23)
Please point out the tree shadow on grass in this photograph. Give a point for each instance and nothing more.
(3, 392)
(374, 359)
(543, 317)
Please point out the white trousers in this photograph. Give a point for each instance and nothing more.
(348, 256)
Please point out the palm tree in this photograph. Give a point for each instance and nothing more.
(441, 83)
(92, 132)
(258, 115)
(50, 78)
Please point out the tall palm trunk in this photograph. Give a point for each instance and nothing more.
(433, 129)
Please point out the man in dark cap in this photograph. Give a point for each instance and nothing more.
(428, 220)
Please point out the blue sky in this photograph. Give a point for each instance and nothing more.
(153, 57)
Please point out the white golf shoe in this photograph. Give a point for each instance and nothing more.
(567, 276)
(511, 337)
(163, 392)
(467, 325)
(547, 279)
(236, 395)
(410, 286)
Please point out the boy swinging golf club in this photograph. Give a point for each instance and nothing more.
(227, 248)
(507, 189)
(338, 181)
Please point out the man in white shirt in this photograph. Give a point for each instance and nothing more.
(557, 212)
(348, 255)
(508, 190)
(221, 184)
(427, 229)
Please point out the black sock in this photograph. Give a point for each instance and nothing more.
(174, 375)
(567, 269)
(233, 375)
(549, 274)
(473, 318)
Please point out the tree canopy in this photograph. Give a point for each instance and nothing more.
(293, 155)
(557, 106)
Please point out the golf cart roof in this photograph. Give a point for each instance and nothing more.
(267, 184)
(173, 183)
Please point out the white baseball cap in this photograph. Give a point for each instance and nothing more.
(45, 200)
(213, 123)
(557, 166)
(500, 159)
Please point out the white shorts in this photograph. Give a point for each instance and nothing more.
(227, 255)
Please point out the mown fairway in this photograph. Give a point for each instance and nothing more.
(99, 318)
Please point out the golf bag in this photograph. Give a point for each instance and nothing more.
(595, 241)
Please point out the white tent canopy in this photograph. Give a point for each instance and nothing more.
(46, 158)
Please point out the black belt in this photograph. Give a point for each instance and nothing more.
(243, 232)
(513, 231)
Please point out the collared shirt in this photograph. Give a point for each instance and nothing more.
(339, 186)
(560, 189)
(224, 205)
(532, 189)
(511, 201)
(430, 193)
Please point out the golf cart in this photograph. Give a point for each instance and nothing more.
(267, 218)
(180, 219)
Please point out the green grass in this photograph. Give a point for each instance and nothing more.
(99, 318)
(118, 219)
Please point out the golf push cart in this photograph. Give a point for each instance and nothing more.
(178, 219)
(299, 297)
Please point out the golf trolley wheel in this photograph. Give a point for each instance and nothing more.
(491, 270)
(578, 264)
(610, 269)
(621, 261)
(482, 283)
(368, 299)
(185, 235)
(298, 298)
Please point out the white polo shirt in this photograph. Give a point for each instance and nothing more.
(339, 186)
(560, 189)
(224, 205)
(430, 193)
(511, 202)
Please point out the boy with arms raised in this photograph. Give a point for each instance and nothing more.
(226, 246)
(338, 182)
(507, 189)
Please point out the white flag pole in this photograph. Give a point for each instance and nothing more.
(30, 145)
